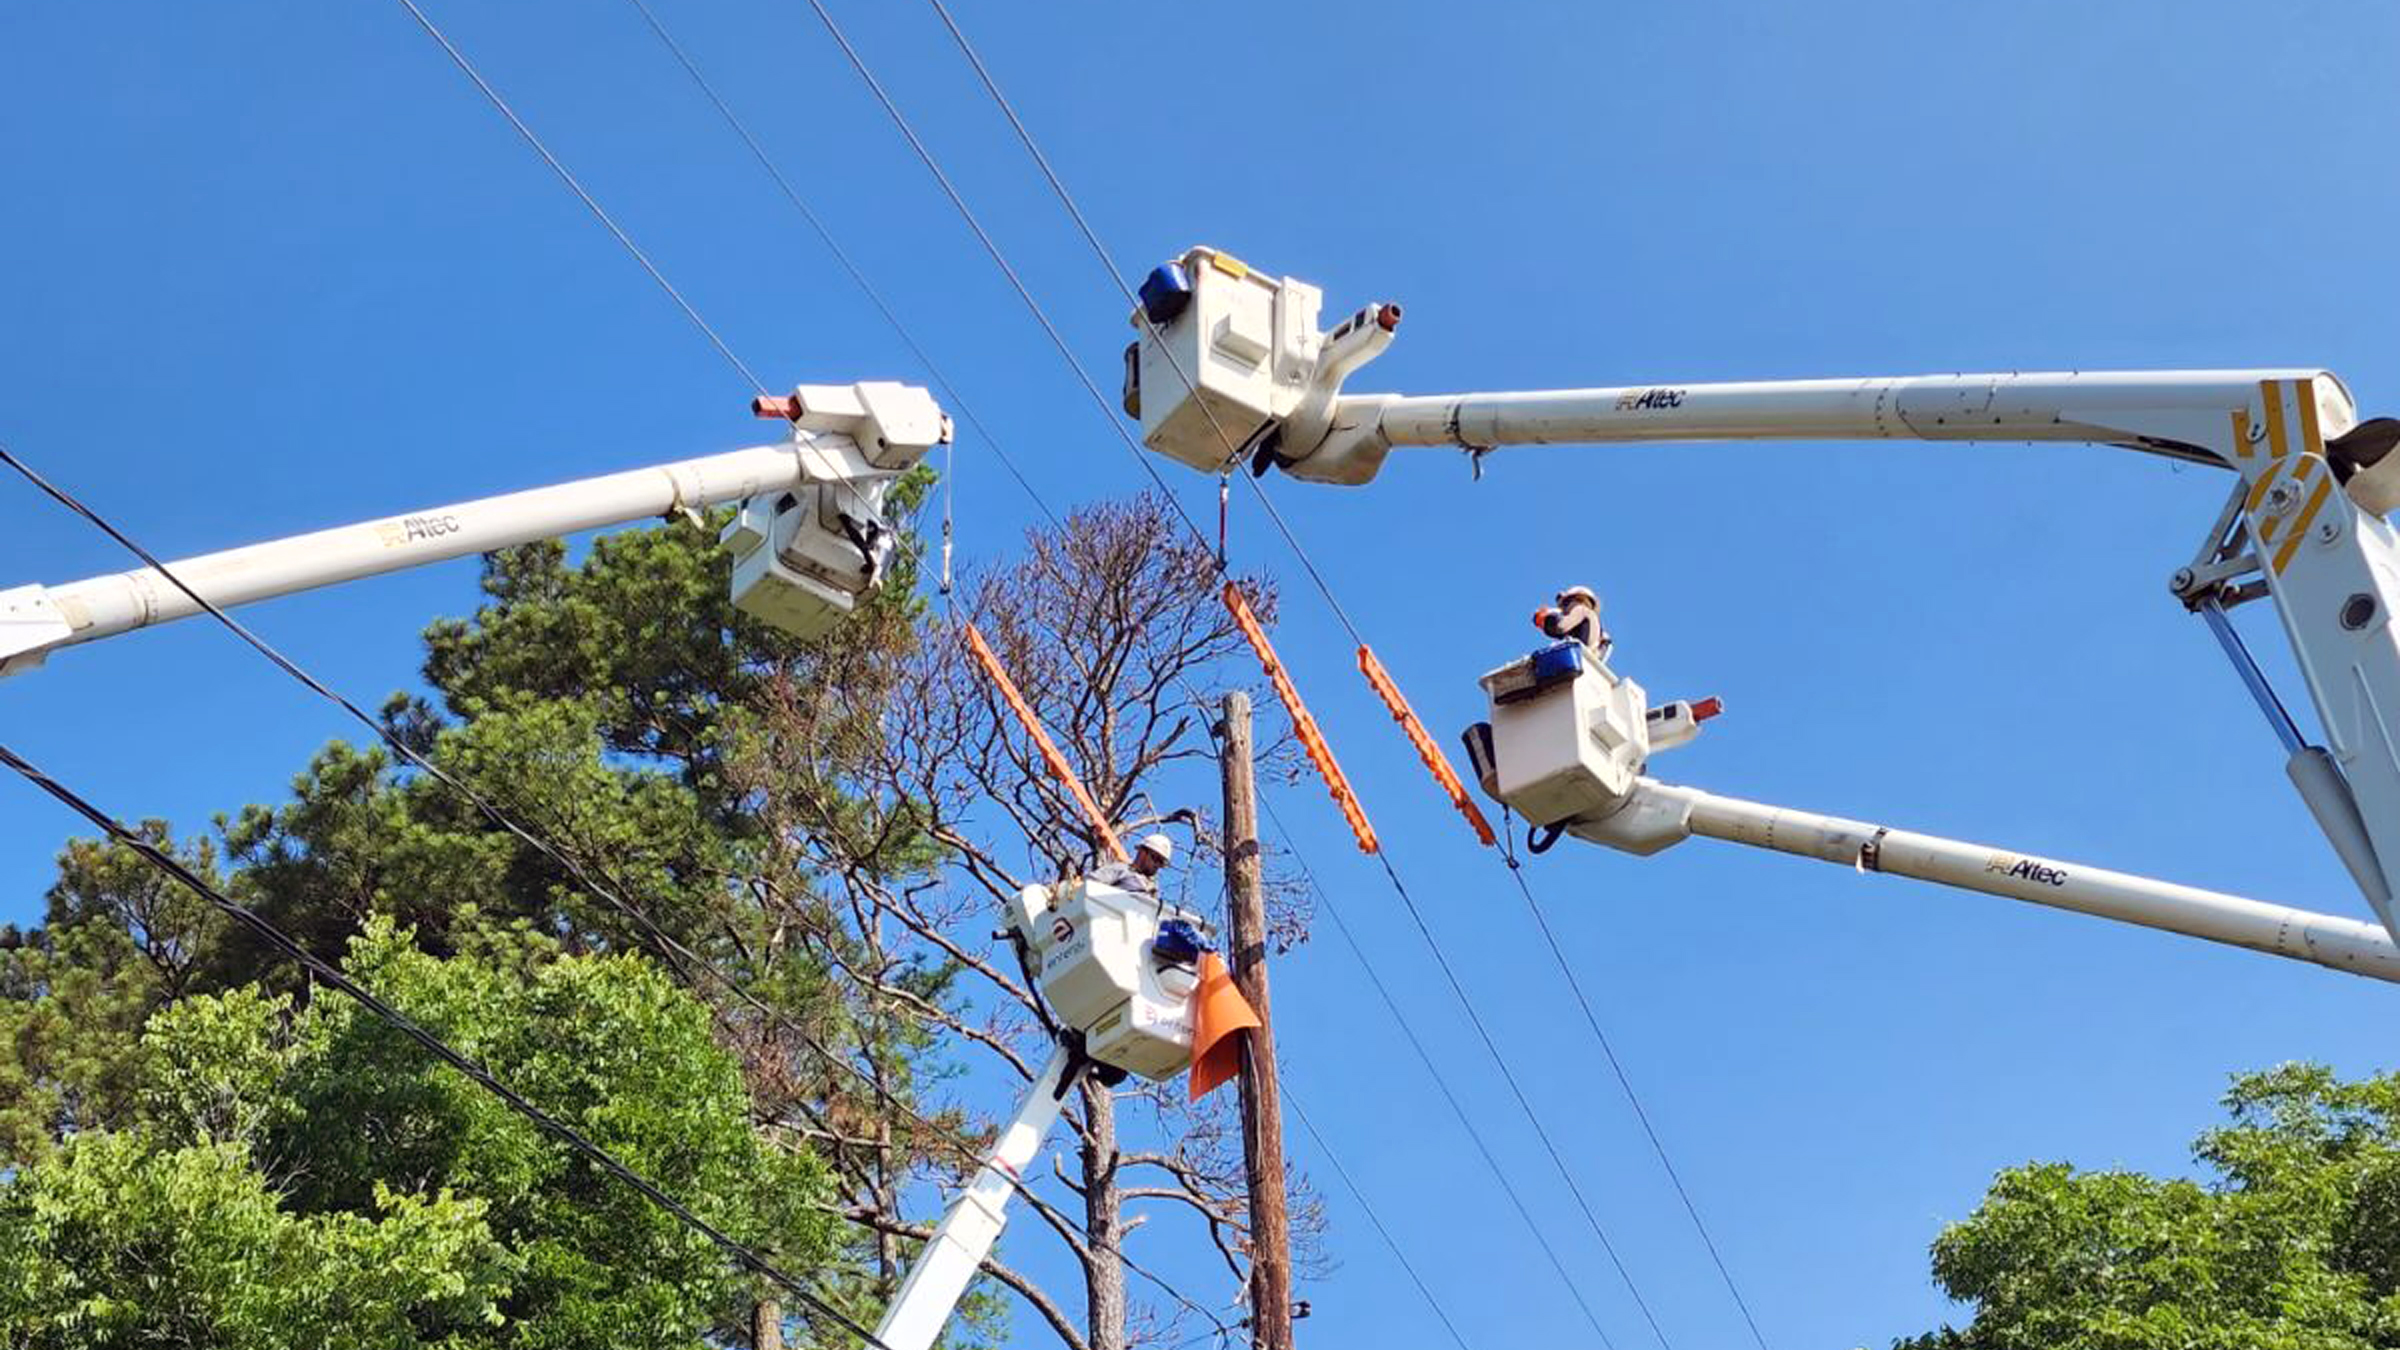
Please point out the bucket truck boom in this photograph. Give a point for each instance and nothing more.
(1230, 365)
(1121, 973)
(810, 538)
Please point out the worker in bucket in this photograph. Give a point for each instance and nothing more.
(1150, 857)
(1578, 617)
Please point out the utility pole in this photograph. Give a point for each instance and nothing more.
(1262, 1106)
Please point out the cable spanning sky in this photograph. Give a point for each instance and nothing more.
(278, 268)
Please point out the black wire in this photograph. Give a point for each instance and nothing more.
(1100, 252)
(824, 234)
(1633, 1098)
(1308, 564)
(1000, 260)
(677, 953)
(574, 185)
(333, 978)
(1441, 1084)
(1360, 1196)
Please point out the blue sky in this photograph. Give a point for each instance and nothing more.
(274, 266)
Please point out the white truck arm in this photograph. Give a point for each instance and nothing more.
(848, 444)
(1230, 364)
(966, 1234)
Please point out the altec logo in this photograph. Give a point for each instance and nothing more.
(2026, 869)
(409, 529)
(1635, 399)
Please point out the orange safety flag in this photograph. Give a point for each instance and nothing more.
(1426, 749)
(1304, 726)
(1041, 742)
(1218, 1011)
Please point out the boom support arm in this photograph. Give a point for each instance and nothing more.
(848, 444)
(966, 1234)
(1227, 352)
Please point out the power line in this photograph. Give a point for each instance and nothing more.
(1426, 1291)
(677, 952)
(1625, 1083)
(1441, 1084)
(332, 977)
(1066, 198)
(1100, 252)
(825, 236)
(999, 258)
(575, 186)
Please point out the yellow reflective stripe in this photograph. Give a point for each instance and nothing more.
(2258, 490)
(2308, 513)
(2311, 440)
(2241, 432)
(2272, 398)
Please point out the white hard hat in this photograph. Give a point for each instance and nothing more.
(1160, 845)
(1584, 592)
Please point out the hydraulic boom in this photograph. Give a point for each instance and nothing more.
(1230, 366)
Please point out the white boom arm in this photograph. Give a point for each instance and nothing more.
(1663, 812)
(966, 1234)
(1230, 362)
(848, 444)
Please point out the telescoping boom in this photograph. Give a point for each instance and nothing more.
(810, 538)
(1231, 366)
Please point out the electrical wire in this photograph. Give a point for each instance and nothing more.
(966, 410)
(841, 256)
(333, 978)
(575, 185)
(1616, 1067)
(1000, 260)
(1425, 1290)
(1100, 252)
(1433, 1070)
(680, 956)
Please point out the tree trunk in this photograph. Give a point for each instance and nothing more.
(766, 1325)
(1104, 1273)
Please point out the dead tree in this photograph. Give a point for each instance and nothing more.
(1112, 627)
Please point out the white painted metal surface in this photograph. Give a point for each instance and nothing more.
(967, 1232)
(1095, 953)
(897, 424)
(1668, 811)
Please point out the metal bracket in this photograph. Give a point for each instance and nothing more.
(2225, 557)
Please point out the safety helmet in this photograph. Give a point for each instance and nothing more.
(1160, 845)
(1574, 593)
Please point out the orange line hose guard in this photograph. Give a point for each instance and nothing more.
(1304, 726)
(1041, 741)
(1426, 749)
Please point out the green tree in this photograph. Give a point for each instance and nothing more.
(304, 1174)
(2292, 1244)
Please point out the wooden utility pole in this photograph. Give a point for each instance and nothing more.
(766, 1325)
(1262, 1107)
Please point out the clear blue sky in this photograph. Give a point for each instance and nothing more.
(273, 266)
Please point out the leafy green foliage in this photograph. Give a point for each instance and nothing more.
(118, 1242)
(2296, 1245)
(305, 1175)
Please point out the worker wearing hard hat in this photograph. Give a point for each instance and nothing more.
(1150, 857)
(1578, 617)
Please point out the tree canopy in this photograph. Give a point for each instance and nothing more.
(2292, 1242)
(299, 1173)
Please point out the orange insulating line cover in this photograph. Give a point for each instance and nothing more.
(1218, 1011)
(1426, 749)
(1303, 725)
(1041, 741)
